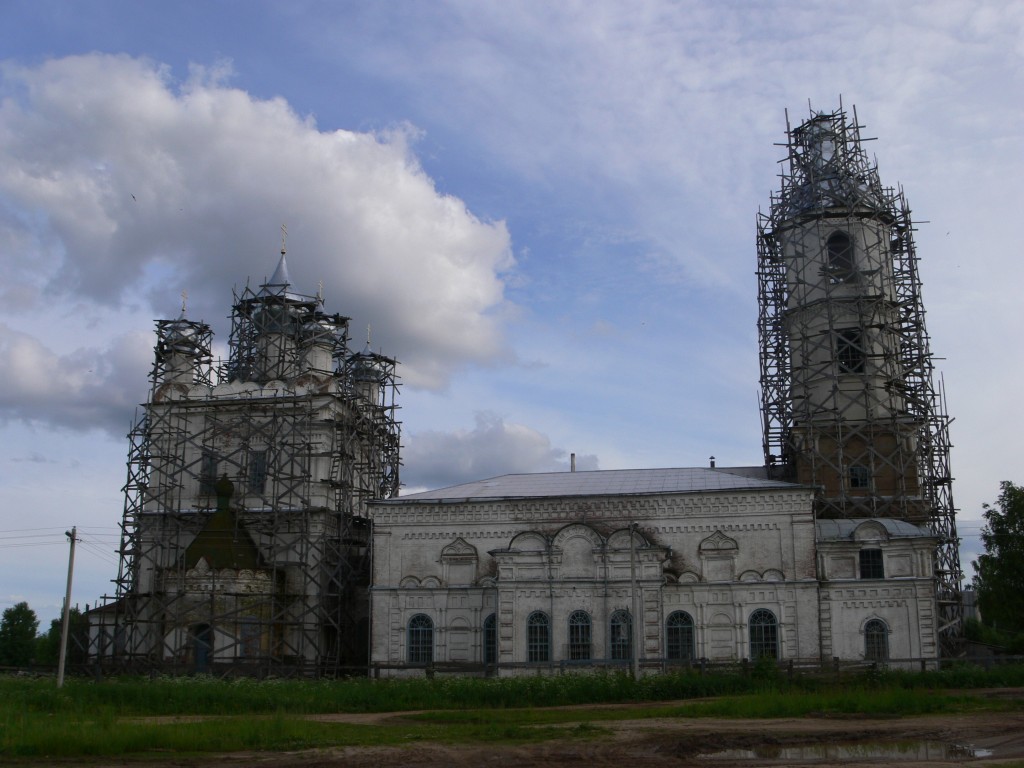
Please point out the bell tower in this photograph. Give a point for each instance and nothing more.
(848, 397)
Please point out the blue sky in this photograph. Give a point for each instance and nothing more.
(545, 210)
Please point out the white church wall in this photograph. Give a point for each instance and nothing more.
(555, 556)
(891, 586)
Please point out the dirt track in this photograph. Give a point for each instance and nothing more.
(653, 743)
(676, 742)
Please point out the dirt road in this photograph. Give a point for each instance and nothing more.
(914, 742)
(652, 743)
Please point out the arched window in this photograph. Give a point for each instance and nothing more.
(840, 257)
(421, 639)
(764, 635)
(490, 640)
(876, 640)
(579, 636)
(620, 635)
(679, 645)
(538, 637)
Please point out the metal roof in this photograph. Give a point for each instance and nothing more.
(280, 282)
(615, 482)
(836, 530)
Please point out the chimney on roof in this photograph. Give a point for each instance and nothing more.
(572, 462)
(712, 462)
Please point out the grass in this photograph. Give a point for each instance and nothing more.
(109, 718)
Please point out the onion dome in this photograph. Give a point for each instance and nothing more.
(182, 335)
(366, 368)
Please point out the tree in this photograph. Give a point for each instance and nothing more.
(48, 645)
(999, 578)
(18, 635)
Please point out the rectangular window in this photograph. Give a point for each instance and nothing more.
(850, 350)
(249, 637)
(860, 477)
(871, 566)
(208, 474)
(490, 640)
(257, 472)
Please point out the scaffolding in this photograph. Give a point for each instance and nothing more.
(849, 399)
(245, 540)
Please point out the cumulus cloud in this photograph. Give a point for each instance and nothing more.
(493, 447)
(120, 185)
(84, 389)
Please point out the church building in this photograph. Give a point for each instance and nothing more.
(263, 532)
(244, 537)
(658, 567)
(843, 545)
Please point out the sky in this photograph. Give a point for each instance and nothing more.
(545, 210)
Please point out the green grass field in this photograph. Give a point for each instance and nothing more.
(133, 716)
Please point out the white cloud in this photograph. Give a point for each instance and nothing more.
(439, 459)
(122, 186)
(84, 389)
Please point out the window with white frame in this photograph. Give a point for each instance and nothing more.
(421, 640)
(764, 635)
(579, 636)
(679, 640)
(876, 640)
(538, 637)
(620, 636)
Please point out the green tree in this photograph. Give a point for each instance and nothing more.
(999, 578)
(18, 635)
(48, 645)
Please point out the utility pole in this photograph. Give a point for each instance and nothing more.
(67, 608)
(634, 624)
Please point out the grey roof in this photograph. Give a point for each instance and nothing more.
(280, 282)
(615, 482)
(835, 530)
(280, 276)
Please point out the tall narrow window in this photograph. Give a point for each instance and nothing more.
(421, 639)
(840, 257)
(764, 635)
(679, 645)
(249, 637)
(850, 350)
(876, 640)
(257, 471)
(872, 565)
(579, 636)
(620, 631)
(538, 637)
(208, 474)
(490, 640)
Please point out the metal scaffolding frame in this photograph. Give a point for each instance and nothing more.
(245, 543)
(849, 399)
